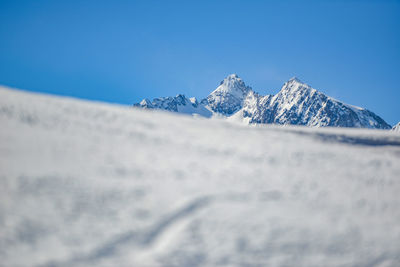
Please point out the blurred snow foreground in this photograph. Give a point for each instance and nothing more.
(92, 184)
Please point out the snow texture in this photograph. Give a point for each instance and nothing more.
(93, 184)
(296, 103)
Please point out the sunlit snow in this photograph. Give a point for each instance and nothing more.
(92, 184)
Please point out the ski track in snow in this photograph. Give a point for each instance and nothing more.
(142, 240)
(92, 184)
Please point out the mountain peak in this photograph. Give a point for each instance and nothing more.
(294, 84)
(230, 79)
(232, 76)
(295, 79)
(228, 97)
(232, 85)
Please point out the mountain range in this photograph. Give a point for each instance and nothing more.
(296, 103)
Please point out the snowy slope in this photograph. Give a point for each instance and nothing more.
(92, 184)
(296, 103)
(396, 128)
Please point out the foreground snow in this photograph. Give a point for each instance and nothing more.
(90, 184)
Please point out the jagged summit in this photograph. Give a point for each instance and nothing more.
(294, 84)
(232, 76)
(232, 84)
(294, 79)
(229, 95)
(296, 103)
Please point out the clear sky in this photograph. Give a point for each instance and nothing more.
(123, 51)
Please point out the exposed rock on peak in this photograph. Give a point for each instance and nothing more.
(296, 103)
(228, 97)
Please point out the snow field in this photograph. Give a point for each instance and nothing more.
(92, 184)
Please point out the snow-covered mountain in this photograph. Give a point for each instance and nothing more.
(93, 184)
(396, 128)
(296, 103)
(228, 98)
(299, 104)
(179, 103)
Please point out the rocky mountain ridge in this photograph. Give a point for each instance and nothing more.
(296, 103)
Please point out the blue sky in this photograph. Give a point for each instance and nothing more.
(123, 51)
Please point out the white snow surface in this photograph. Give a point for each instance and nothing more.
(93, 184)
